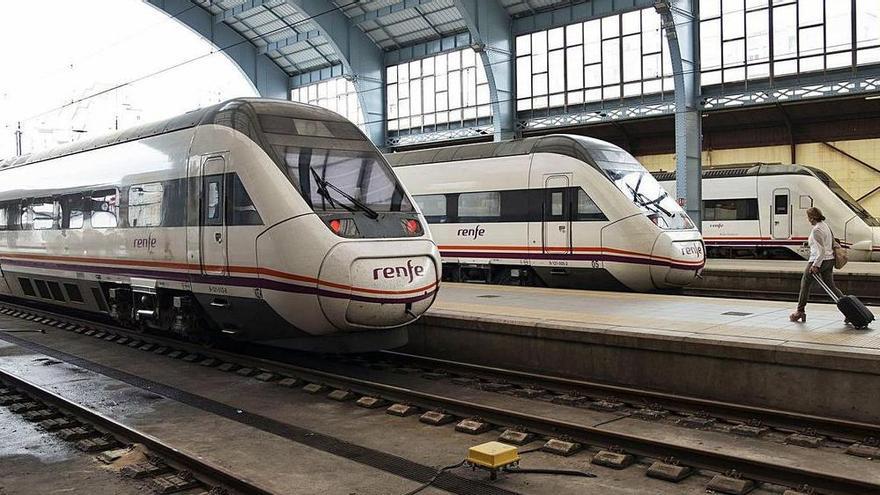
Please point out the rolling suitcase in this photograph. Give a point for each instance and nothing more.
(854, 310)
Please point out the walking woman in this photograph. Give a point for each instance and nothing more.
(821, 261)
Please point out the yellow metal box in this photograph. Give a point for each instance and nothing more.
(492, 455)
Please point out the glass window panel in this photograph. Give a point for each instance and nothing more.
(868, 56)
(593, 95)
(632, 89)
(867, 24)
(415, 69)
(631, 22)
(481, 72)
(442, 100)
(403, 90)
(667, 63)
(524, 77)
(651, 66)
(632, 58)
(733, 75)
(525, 104)
(785, 68)
(732, 22)
(810, 11)
(710, 44)
(557, 100)
(809, 64)
(555, 38)
(524, 44)
(430, 119)
(838, 26)
(592, 76)
(539, 52)
(467, 58)
(592, 42)
(482, 204)
(812, 41)
(654, 86)
(403, 107)
(540, 102)
(415, 102)
(784, 32)
(392, 101)
(539, 84)
(470, 88)
(611, 92)
(709, 78)
(453, 60)
(575, 61)
(483, 95)
(469, 113)
(611, 61)
(557, 71)
(758, 36)
(455, 115)
(440, 66)
(575, 97)
(428, 94)
(428, 66)
(838, 60)
(710, 8)
(574, 34)
(759, 71)
(454, 79)
(734, 53)
(610, 26)
(391, 74)
(755, 4)
(651, 40)
(442, 117)
(403, 73)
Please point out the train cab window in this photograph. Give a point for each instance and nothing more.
(780, 202)
(72, 211)
(587, 208)
(474, 206)
(105, 208)
(145, 204)
(45, 214)
(212, 209)
(240, 210)
(806, 202)
(433, 206)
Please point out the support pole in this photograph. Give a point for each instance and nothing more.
(681, 22)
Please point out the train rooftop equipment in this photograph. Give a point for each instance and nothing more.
(263, 220)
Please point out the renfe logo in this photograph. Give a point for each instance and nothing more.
(148, 242)
(409, 271)
(473, 233)
(692, 250)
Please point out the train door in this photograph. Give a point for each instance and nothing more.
(557, 215)
(212, 211)
(780, 224)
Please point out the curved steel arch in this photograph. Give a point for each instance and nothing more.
(265, 76)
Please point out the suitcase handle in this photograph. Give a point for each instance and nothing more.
(825, 286)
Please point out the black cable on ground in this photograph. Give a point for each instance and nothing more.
(434, 478)
(565, 472)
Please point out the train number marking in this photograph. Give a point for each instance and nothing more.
(217, 289)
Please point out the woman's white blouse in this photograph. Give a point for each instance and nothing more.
(821, 244)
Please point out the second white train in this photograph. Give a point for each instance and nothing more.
(558, 211)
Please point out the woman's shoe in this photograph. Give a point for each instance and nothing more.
(798, 315)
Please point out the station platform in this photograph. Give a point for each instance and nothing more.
(723, 349)
(780, 279)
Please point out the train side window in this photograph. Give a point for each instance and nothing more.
(587, 209)
(145, 204)
(212, 209)
(5, 221)
(556, 203)
(780, 202)
(26, 287)
(730, 209)
(806, 202)
(240, 210)
(480, 206)
(73, 293)
(25, 216)
(43, 289)
(72, 212)
(105, 208)
(433, 206)
(45, 214)
(55, 289)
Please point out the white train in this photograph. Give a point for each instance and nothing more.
(758, 209)
(261, 220)
(558, 211)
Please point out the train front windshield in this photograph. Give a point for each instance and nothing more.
(641, 188)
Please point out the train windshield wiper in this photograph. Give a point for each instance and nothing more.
(323, 184)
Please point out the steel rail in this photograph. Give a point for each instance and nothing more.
(758, 470)
(212, 472)
(777, 418)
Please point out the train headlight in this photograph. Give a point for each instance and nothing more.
(412, 226)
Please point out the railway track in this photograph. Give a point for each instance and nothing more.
(344, 375)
